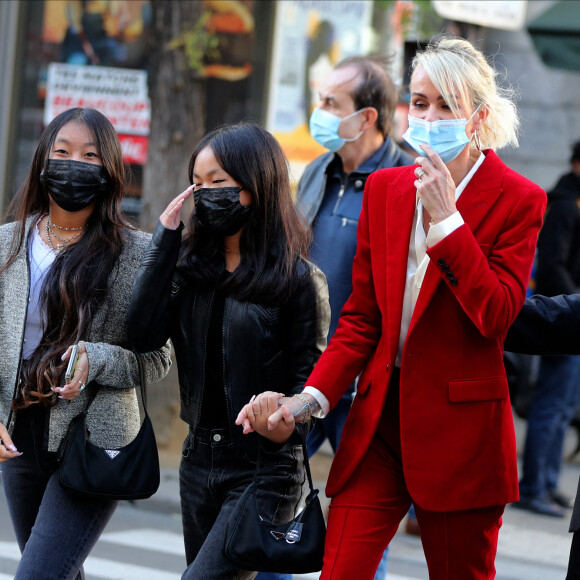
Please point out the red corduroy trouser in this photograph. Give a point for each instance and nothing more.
(365, 514)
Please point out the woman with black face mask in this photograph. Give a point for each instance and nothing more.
(245, 312)
(67, 264)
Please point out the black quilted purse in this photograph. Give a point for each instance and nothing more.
(131, 472)
(294, 547)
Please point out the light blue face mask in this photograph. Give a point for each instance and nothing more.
(324, 128)
(446, 137)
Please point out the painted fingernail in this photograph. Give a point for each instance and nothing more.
(12, 448)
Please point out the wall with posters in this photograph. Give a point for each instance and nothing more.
(75, 36)
(310, 37)
(89, 53)
(271, 58)
(120, 94)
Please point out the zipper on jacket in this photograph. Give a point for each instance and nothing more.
(228, 410)
(340, 195)
(211, 298)
(345, 221)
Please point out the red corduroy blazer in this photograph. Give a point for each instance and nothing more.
(457, 433)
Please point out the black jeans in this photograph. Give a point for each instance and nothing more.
(55, 529)
(213, 475)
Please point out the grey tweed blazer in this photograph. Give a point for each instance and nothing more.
(113, 419)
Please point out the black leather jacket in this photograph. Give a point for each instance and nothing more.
(265, 348)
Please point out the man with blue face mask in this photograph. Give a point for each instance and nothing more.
(353, 120)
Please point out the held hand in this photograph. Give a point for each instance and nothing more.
(247, 416)
(254, 417)
(171, 217)
(435, 186)
(7, 448)
(76, 385)
(295, 406)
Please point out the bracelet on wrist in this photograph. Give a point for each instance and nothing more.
(306, 407)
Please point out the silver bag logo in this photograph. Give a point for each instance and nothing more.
(112, 453)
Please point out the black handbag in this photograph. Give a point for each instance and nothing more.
(131, 472)
(294, 547)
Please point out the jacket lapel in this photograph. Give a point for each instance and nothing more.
(473, 205)
(399, 218)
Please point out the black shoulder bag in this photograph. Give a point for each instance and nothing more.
(131, 472)
(294, 547)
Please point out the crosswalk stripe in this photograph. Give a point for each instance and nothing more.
(171, 543)
(316, 576)
(535, 546)
(100, 567)
(158, 540)
(119, 570)
(10, 551)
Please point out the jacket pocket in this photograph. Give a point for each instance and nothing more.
(471, 391)
(364, 380)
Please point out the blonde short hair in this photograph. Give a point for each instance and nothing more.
(456, 67)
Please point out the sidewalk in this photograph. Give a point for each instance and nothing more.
(530, 546)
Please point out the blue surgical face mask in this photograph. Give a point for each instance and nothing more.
(446, 137)
(324, 128)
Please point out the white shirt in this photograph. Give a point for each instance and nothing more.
(40, 258)
(417, 263)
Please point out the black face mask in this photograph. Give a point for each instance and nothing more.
(74, 185)
(219, 209)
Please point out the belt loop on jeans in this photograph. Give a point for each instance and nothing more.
(191, 440)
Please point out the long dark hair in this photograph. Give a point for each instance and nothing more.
(274, 235)
(79, 277)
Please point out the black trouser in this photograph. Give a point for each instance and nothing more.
(574, 561)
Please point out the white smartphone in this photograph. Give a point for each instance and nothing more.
(72, 363)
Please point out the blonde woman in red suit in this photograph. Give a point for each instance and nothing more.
(443, 258)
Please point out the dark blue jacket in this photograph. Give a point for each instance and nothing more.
(331, 201)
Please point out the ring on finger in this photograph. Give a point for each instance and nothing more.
(420, 173)
(82, 386)
(83, 371)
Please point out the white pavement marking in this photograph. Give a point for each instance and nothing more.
(512, 569)
(100, 567)
(316, 576)
(170, 543)
(531, 545)
(160, 541)
(120, 571)
(515, 543)
(10, 551)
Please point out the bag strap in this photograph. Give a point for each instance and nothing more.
(142, 380)
(92, 395)
(306, 465)
(142, 384)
